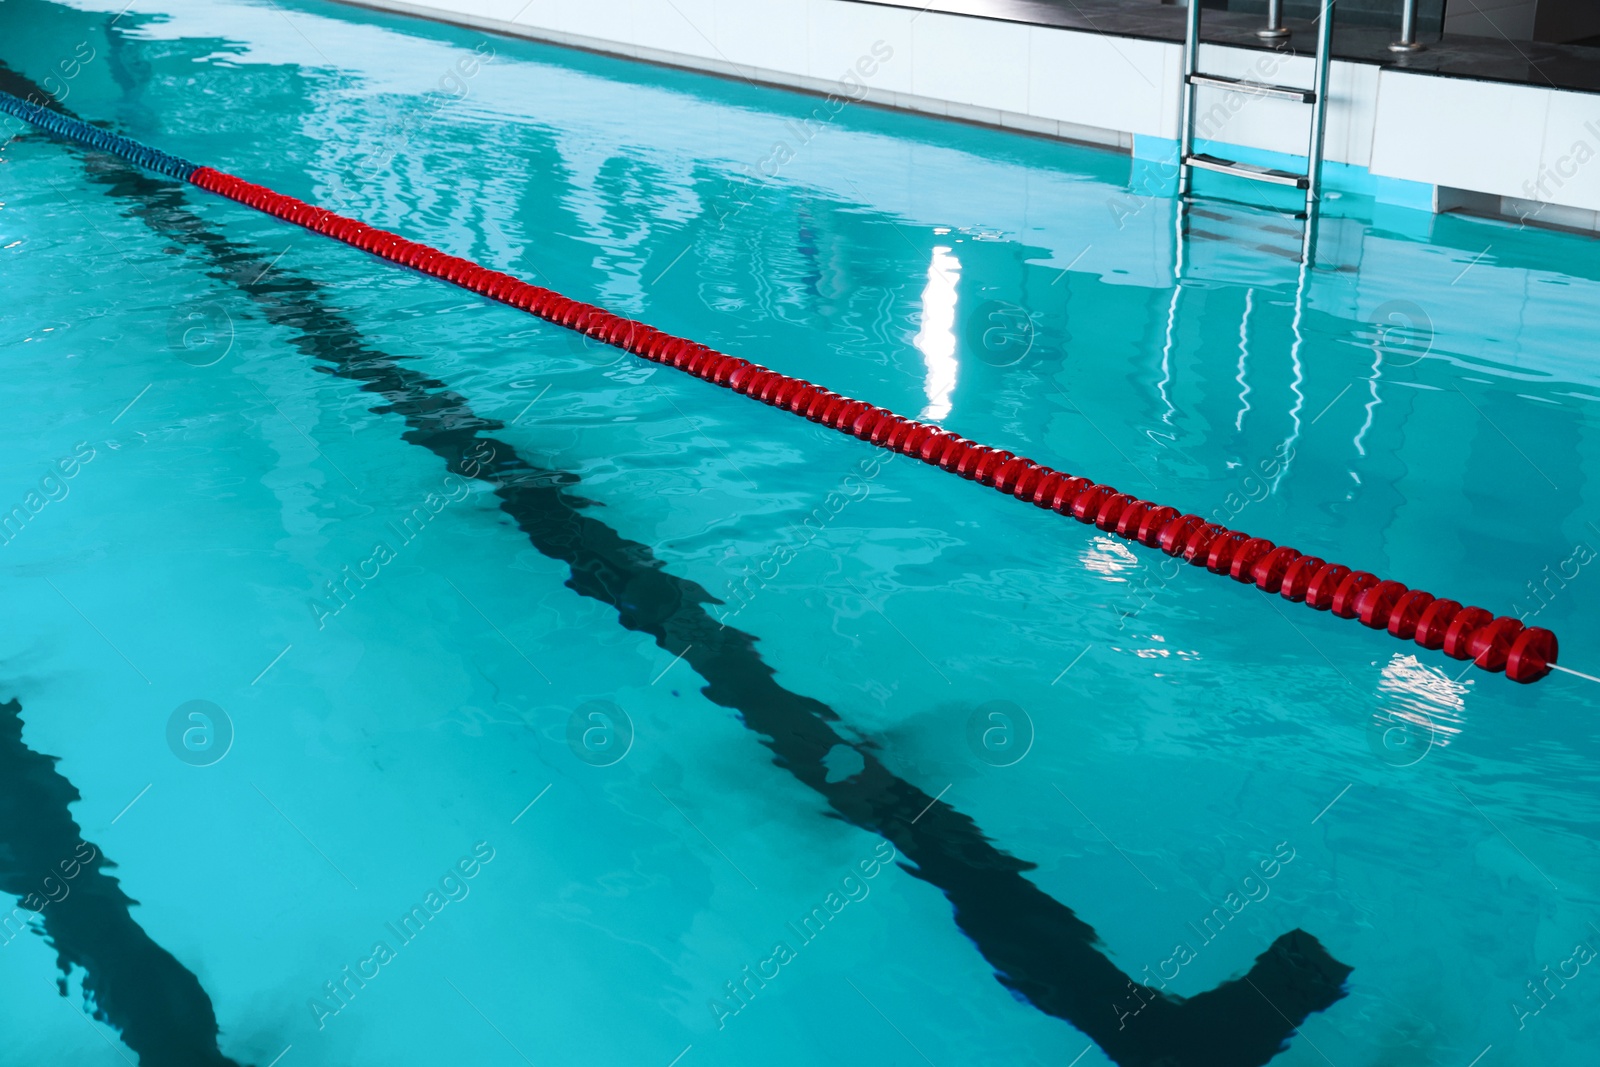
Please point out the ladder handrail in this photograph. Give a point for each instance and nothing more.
(1274, 30)
(1191, 57)
(1319, 112)
(1408, 29)
(1188, 159)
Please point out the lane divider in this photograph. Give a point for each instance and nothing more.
(1525, 654)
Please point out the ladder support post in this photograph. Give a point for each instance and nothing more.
(1191, 65)
(1317, 96)
(1274, 30)
(1408, 29)
(1319, 114)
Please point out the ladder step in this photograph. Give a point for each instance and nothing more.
(1191, 199)
(1247, 170)
(1240, 85)
(1264, 227)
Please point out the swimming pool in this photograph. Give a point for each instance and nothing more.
(227, 441)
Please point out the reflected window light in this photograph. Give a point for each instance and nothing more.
(936, 340)
(1109, 558)
(1420, 707)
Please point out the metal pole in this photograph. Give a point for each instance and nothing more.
(1308, 245)
(1191, 62)
(1408, 29)
(1274, 30)
(1319, 112)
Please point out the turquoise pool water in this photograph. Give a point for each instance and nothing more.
(419, 726)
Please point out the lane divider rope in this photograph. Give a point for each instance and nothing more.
(1525, 654)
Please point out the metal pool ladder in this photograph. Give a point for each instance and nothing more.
(1317, 97)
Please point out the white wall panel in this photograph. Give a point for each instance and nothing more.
(842, 33)
(774, 33)
(1486, 137)
(1095, 80)
(1570, 162)
(979, 62)
(1483, 136)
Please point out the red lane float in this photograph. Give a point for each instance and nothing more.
(1377, 603)
(1503, 644)
(1407, 613)
(1531, 655)
(1273, 568)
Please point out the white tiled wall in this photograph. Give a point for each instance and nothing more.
(1095, 80)
(1571, 155)
(687, 27)
(594, 18)
(973, 62)
(840, 34)
(1352, 113)
(770, 34)
(1486, 137)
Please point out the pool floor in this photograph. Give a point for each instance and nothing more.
(398, 678)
